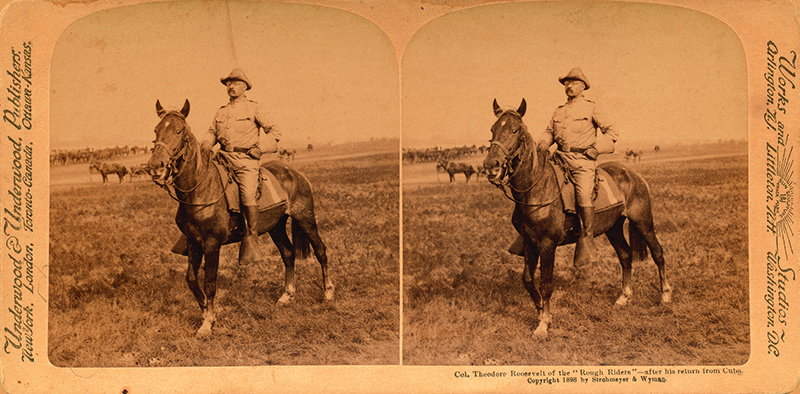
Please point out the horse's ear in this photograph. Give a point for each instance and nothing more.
(185, 109)
(522, 108)
(159, 109)
(497, 110)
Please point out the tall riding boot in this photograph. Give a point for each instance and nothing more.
(517, 247)
(247, 249)
(181, 246)
(584, 248)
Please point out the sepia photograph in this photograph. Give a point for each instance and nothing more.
(175, 153)
(624, 244)
(347, 196)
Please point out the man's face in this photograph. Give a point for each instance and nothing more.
(236, 88)
(573, 87)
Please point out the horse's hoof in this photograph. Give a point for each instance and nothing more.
(541, 332)
(621, 301)
(204, 332)
(329, 295)
(666, 297)
(285, 299)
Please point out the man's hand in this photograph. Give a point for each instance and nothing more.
(562, 144)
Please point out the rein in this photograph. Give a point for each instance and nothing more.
(172, 166)
(511, 171)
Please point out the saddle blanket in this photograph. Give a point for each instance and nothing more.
(607, 194)
(270, 192)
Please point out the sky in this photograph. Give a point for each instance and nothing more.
(324, 75)
(662, 74)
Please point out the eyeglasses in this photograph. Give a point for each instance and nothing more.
(573, 82)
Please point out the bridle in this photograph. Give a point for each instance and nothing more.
(512, 159)
(173, 172)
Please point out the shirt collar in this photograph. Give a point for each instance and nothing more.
(576, 99)
(239, 99)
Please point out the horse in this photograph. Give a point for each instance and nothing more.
(479, 172)
(286, 153)
(513, 162)
(108, 168)
(656, 149)
(186, 170)
(455, 168)
(637, 155)
(310, 148)
(139, 170)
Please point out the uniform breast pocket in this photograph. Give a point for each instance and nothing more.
(558, 126)
(580, 124)
(221, 122)
(244, 123)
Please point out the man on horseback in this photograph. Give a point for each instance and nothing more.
(574, 128)
(236, 127)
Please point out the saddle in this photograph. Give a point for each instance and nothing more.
(606, 194)
(270, 193)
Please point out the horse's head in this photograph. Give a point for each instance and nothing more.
(509, 136)
(172, 136)
(441, 164)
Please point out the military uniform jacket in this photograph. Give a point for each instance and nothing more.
(237, 124)
(577, 122)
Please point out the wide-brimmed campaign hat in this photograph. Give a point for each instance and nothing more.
(237, 75)
(577, 74)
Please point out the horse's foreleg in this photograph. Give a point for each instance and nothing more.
(281, 239)
(547, 259)
(211, 254)
(617, 238)
(531, 254)
(195, 259)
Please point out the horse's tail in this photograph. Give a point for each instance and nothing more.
(638, 244)
(302, 245)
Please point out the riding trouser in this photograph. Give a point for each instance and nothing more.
(245, 169)
(583, 170)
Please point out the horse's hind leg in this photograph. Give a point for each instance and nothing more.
(617, 238)
(644, 231)
(281, 239)
(309, 226)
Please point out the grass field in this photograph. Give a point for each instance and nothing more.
(464, 303)
(118, 297)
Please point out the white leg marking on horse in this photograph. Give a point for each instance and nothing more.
(623, 299)
(541, 330)
(287, 297)
(666, 295)
(329, 293)
(208, 321)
